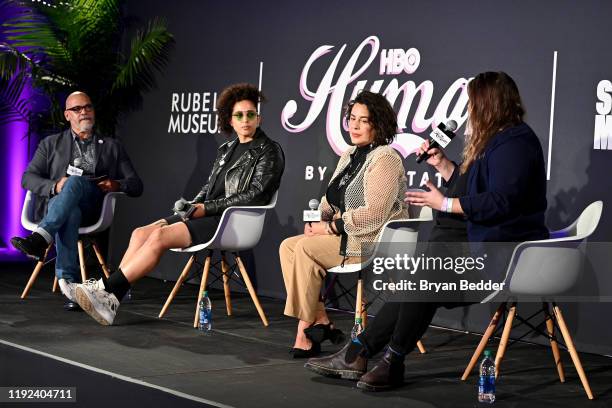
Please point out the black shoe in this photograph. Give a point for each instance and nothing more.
(387, 374)
(71, 306)
(314, 351)
(318, 333)
(337, 365)
(34, 245)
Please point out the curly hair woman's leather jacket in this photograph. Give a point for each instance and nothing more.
(252, 179)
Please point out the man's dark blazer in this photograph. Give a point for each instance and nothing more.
(51, 161)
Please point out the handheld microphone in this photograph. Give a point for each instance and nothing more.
(180, 205)
(312, 215)
(183, 208)
(440, 137)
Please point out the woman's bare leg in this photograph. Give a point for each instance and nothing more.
(321, 316)
(301, 341)
(148, 256)
(137, 239)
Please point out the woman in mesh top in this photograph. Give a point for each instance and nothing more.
(497, 194)
(366, 190)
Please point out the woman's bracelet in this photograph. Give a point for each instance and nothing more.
(447, 205)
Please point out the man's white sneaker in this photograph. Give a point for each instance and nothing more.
(97, 302)
(68, 289)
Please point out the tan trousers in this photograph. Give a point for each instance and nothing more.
(304, 261)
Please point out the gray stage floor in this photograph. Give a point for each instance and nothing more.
(244, 364)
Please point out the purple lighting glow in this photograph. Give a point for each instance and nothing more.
(15, 154)
(14, 158)
(18, 162)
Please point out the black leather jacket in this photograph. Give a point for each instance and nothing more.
(252, 180)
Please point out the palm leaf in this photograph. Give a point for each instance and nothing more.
(29, 29)
(12, 61)
(149, 52)
(14, 108)
(74, 45)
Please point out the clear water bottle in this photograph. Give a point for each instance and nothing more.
(486, 381)
(357, 328)
(205, 322)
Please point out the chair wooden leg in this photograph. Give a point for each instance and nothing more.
(483, 342)
(249, 285)
(572, 350)
(101, 260)
(421, 347)
(364, 311)
(201, 291)
(550, 327)
(503, 342)
(82, 261)
(34, 274)
(177, 286)
(226, 286)
(359, 300)
(55, 283)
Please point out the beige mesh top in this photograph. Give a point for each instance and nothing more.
(373, 197)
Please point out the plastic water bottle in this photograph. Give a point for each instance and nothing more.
(205, 322)
(486, 381)
(357, 328)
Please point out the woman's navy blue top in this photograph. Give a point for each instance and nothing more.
(506, 189)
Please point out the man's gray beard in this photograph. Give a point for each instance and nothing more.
(86, 126)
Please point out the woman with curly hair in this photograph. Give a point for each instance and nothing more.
(246, 171)
(366, 190)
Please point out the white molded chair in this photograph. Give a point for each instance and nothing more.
(103, 222)
(401, 231)
(543, 269)
(239, 229)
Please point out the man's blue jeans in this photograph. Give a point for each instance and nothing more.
(78, 203)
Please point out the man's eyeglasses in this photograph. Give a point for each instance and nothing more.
(79, 108)
(250, 115)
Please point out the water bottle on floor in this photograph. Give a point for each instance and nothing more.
(486, 381)
(205, 322)
(357, 328)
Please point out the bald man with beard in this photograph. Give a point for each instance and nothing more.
(69, 175)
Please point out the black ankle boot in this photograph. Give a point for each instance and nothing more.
(387, 374)
(337, 365)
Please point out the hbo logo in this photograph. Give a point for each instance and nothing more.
(394, 61)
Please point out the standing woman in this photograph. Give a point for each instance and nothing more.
(500, 191)
(366, 190)
(247, 171)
